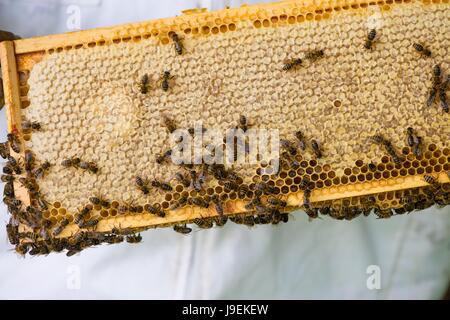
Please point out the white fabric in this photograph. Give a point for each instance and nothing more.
(322, 259)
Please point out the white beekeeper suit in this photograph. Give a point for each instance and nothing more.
(407, 256)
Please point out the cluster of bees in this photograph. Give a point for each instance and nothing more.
(264, 204)
(440, 83)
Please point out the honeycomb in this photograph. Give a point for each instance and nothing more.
(87, 98)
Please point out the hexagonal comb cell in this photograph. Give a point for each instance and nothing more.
(106, 108)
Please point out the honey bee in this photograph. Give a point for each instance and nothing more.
(199, 202)
(156, 210)
(286, 144)
(12, 232)
(316, 148)
(183, 229)
(4, 150)
(29, 160)
(40, 171)
(14, 142)
(62, 225)
(217, 204)
(38, 249)
(353, 213)
(28, 184)
(383, 213)
(431, 180)
(442, 93)
(431, 96)
(417, 149)
(80, 217)
(243, 123)
(22, 249)
(129, 207)
(284, 217)
(113, 239)
(390, 149)
(28, 235)
(99, 201)
(443, 99)
(230, 185)
(169, 124)
(277, 202)
(325, 210)
(161, 185)
(177, 43)
(437, 75)
(243, 191)
(304, 183)
(291, 64)
(196, 181)
(312, 213)
(7, 169)
(12, 202)
(204, 223)
(72, 162)
(160, 159)
(422, 50)
(249, 220)
(7, 178)
(136, 209)
(306, 199)
(266, 219)
(238, 219)
(445, 85)
(182, 179)
(123, 208)
(89, 166)
(301, 140)
(79, 237)
(134, 238)
(410, 136)
(265, 188)
(314, 55)
(92, 167)
(31, 125)
(73, 252)
(232, 176)
(181, 202)
(274, 217)
(370, 39)
(218, 171)
(221, 220)
(42, 203)
(144, 84)
(142, 185)
(14, 164)
(90, 223)
(165, 80)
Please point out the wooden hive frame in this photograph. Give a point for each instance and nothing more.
(18, 58)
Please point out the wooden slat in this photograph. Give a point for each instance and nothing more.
(13, 104)
(10, 84)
